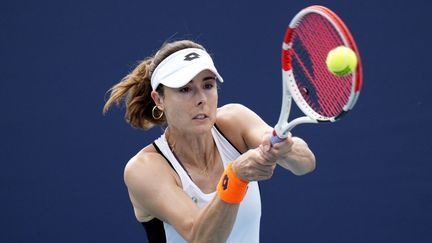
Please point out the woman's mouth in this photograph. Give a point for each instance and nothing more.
(200, 117)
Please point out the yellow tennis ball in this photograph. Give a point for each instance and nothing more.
(341, 61)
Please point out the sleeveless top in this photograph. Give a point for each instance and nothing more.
(247, 223)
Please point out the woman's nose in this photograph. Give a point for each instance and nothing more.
(201, 97)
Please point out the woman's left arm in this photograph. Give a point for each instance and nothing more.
(293, 153)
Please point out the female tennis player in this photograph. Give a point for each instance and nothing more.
(198, 181)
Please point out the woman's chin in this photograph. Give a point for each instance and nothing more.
(202, 126)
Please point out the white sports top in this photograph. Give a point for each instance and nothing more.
(246, 226)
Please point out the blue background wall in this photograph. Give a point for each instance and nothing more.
(62, 160)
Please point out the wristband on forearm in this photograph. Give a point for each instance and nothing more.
(231, 189)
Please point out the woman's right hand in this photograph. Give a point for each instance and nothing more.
(255, 165)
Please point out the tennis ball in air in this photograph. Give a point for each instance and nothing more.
(341, 61)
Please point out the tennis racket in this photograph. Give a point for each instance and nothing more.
(320, 95)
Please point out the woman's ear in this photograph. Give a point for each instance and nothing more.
(157, 99)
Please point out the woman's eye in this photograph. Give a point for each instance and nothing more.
(184, 89)
(208, 86)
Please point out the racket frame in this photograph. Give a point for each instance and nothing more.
(289, 87)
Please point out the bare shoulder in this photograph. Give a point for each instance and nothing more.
(233, 115)
(231, 109)
(230, 124)
(147, 167)
(240, 125)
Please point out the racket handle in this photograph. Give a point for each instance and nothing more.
(275, 138)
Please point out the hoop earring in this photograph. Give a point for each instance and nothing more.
(160, 113)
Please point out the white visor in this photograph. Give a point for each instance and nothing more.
(181, 67)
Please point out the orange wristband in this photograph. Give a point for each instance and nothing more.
(231, 189)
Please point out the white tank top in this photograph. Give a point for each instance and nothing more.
(246, 226)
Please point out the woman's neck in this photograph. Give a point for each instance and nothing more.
(192, 150)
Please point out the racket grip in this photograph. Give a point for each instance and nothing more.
(275, 138)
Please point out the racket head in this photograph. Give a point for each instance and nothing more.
(321, 95)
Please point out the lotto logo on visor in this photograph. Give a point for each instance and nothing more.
(191, 56)
(181, 67)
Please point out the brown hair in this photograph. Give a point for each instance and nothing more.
(136, 86)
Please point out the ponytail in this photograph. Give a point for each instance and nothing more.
(139, 103)
(136, 86)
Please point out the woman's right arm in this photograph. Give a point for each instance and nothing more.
(151, 181)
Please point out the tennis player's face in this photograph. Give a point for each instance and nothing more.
(192, 108)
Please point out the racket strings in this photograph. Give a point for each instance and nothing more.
(324, 89)
(324, 92)
(330, 91)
